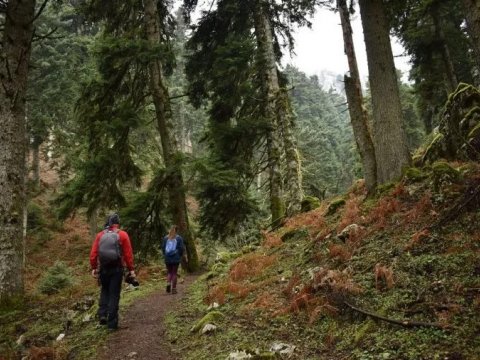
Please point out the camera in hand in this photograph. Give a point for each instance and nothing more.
(129, 279)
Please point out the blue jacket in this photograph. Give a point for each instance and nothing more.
(177, 256)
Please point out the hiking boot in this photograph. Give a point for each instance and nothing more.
(169, 287)
(103, 320)
(174, 291)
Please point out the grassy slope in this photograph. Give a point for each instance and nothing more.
(294, 290)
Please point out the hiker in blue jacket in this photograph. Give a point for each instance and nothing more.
(172, 248)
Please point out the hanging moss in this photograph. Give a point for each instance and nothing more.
(459, 137)
(434, 150)
(442, 172)
(475, 132)
(443, 169)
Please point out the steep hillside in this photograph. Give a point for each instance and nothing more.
(392, 277)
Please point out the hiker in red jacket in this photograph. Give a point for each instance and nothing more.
(111, 252)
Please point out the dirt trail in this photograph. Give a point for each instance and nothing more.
(142, 332)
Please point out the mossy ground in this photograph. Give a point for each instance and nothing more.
(435, 273)
(40, 319)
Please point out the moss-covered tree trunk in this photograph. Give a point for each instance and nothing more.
(358, 115)
(16, 44)
(270, 88)
(293, 172)
(171, 154)
(388, 125)
(472, 16)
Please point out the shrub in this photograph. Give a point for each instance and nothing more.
(35, 218)
(271, 240)
(57, 277)
(250, 265)
(309, 203)
(380, 215)
(339, 251)
(351, 214)
(383, 276)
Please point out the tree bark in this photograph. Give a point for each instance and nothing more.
(293, 170)
(358, 115)
(36, 163)
(171, 155)
(14, 60)
(270, 89)
(280, 136)
(388, 125)
(451, 77)
(472, 17)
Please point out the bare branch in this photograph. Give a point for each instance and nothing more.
(40, 11)
(404, 323)
(47, 36)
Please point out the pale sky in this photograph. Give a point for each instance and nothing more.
(321, 47)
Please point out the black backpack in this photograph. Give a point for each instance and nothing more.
(109, 251)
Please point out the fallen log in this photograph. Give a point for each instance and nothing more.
(404, 323)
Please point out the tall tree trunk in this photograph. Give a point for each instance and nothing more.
(171, 156)
(358, 115)
(451, 77)
(16, 45)
(280, 136)
(293, 170)
(472, 16)
(270, 89)
(388, 125)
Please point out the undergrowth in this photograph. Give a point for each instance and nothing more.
(401, 255)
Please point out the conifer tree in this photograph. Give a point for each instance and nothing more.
(229, 26)
(358, 115)
(135, 53)
(171, 155)
(14, 65)
(270, 90)
(388, 128)
(432, 33)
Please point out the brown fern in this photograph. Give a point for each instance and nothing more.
(351, 213)
(383, 277)
(417, 238)
(338, 251)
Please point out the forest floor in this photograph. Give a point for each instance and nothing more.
(57, 317)
(393, 276)
(142, 332)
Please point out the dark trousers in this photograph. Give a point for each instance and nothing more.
(111, 282)
(172, 270)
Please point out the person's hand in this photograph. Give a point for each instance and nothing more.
(95, 273)
(132, 273)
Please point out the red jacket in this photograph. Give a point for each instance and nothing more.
(127, 252)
